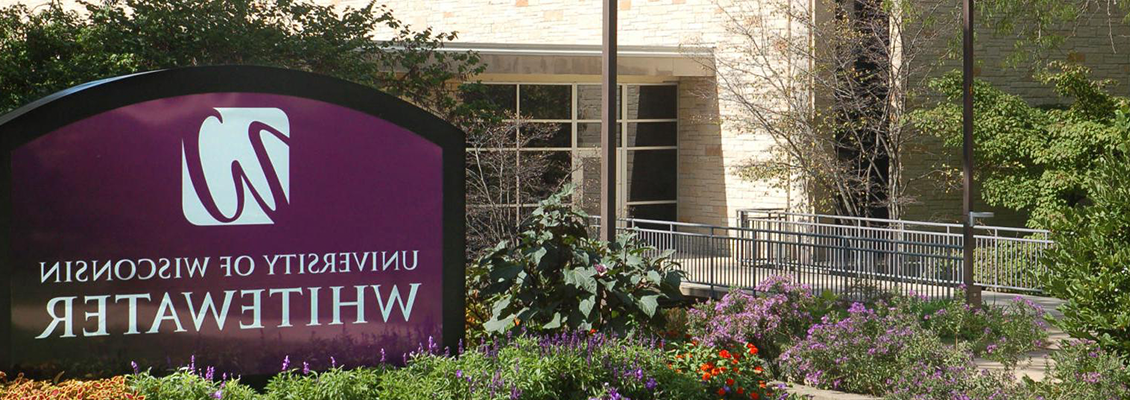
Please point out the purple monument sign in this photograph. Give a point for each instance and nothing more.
(238, 214)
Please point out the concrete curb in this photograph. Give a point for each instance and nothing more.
(821, 394)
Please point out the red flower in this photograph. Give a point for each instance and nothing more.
(721, 392)
(729, 381)
(741, 390)
(724, 354)
(758, 369)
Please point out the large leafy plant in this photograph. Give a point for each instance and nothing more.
(1090, 263)
(554, 276)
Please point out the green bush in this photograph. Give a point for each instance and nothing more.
(553, 276)
(576, 365)
(1089, 266)
(1082, 370)
(333, 384)
(1000, 333)
(188, 384)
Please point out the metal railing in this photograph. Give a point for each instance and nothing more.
(847, 255)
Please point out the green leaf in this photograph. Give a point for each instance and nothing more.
(553, 323)
(648, 304)
(586, 305)
(581, 277)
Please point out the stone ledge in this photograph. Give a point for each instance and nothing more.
(821, 394)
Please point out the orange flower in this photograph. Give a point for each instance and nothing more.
(706, 376)
(734, 360)
(706, 367)
(592, 331)
(694, 343)
(758, 369)
(761, 384)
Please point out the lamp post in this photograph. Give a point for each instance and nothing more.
(972, 292)
(608, 125)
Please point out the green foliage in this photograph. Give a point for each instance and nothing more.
(564, 366)
(1000, 333)
(554, 276)
(1082, 370)
(333, 384)
(1090, 263)
(1029, 158)
(728, 372)
(47, 49)
(186, 384)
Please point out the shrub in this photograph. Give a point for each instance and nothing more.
(771, 321)
(1083, 370)
(333, 384)
(999, 333)
(728, 372)
(189, 383)
(575, 365)
(554, 277)
(883, 351)
(1089, 266)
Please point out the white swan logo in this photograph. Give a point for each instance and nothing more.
(238, 170)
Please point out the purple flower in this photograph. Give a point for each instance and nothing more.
(286, 363)
(600, 268)
(651, 384)
(219, 394)
(458, 373)
(333, 362)
(305, 368)
(133, 364)
(210, 373)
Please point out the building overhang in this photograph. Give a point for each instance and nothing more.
(557, 59)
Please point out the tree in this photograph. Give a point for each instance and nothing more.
(831, 91)
(1030, 158)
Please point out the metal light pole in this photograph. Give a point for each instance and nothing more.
(972, 292)
(608, 126)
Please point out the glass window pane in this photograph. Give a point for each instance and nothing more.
(490, 177)
(546, 135)
(659, 212)
(588, 134)
(547, 101)
(642, 134)
(652, 102)
(504, 136)
(588, 102)
(590, 184)
(544, 172)
(651, 174)
(502, 96)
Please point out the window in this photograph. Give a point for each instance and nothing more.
(564, 120)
